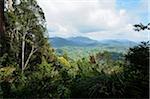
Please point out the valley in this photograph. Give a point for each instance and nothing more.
(79, 47)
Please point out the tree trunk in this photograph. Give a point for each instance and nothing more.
(33, 50)
(2, 25)
(23, 51)
(2, 28)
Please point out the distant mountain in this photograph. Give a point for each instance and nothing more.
(82, 40)
(73, 41)
(118, 42)
(87, 42)
(60, 42)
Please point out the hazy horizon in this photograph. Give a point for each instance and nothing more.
(137, 41)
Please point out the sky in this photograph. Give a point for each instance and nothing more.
(96, 19)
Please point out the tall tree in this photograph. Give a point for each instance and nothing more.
(2, 26)
(2, 17)
(25, 27)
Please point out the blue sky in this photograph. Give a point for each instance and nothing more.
(137, 7)
(96, 19)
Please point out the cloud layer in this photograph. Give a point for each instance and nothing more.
(97, 19)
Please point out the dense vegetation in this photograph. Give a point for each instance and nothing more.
(76, 53)
(30, 67)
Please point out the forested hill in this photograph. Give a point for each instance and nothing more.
(87, 42)
(30, 67)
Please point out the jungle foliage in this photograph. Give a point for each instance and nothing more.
(30, 67)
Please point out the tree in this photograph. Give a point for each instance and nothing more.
(139, 27)
(138, 58)
(2, 27)
(25, 27)
(137, 71)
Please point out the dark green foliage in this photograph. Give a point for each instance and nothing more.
(27, 19)
(138, 58)
(102, 74)
(102, 86)
(132, 82)
(112, 79)
(136, 85)
(137, 68)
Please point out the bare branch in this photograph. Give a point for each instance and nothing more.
(33, 50)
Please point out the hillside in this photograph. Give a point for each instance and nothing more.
(60, 42)
(87, 42)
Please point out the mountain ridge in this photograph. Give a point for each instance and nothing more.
(87, 42)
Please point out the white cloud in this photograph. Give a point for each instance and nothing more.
(91, 18)
(109, 35)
